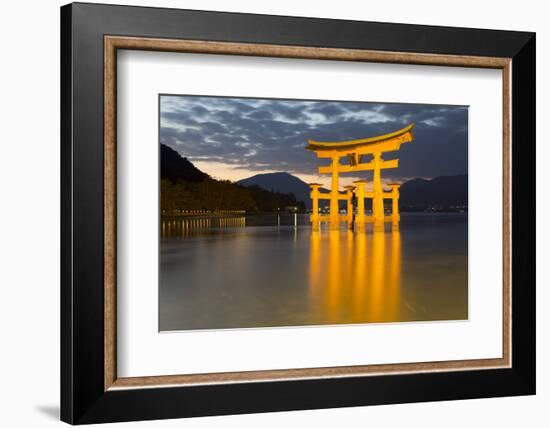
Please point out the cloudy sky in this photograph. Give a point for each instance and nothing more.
(235, 138)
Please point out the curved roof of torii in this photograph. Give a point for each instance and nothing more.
(350, 144)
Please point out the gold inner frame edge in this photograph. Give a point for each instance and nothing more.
(113, 43)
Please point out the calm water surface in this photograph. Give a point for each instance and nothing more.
(266, 271)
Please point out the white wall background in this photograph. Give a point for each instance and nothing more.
(29, 214)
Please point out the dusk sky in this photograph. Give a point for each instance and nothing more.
(235, 138)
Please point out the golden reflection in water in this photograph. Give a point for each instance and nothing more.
(376, 298)
(394, 286)
(334, 276)
(184, 227)
(314, 260)
(356, 278)
(359, 256)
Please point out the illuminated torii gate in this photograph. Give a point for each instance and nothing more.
(354, 150)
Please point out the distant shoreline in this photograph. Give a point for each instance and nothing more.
(229, 214)
(222, 214)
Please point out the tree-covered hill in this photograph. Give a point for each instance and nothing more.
(185, 187)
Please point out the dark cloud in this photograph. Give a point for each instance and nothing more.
(269, 134)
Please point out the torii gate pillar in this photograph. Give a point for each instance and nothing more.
(349, 209)
(360, 218)
(334, 219)
(315, 205)
(378, 194)
(395, 217)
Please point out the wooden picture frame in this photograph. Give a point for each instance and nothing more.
(91, 390)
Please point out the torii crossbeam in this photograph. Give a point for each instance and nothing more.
(354, 150)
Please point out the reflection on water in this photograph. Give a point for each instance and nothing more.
(187, 226)
(355, 277)
(232, 275)
(183, 227)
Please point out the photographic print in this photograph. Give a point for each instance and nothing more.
(288, 212)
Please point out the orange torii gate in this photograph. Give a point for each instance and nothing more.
(354, 150)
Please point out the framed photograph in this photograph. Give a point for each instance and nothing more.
(265, 213)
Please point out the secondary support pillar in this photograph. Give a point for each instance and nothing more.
(377, 194)
(314, 205)
(349, 209)
(334, 214)
(360, 217)
(395, 217)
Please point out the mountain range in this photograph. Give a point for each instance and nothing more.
(440, 193)
(280, 189)
(280, 182)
